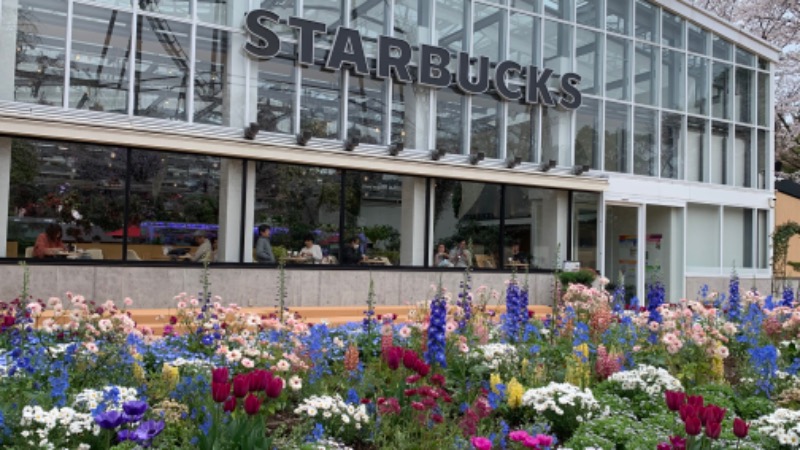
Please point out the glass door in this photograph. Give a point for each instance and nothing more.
(622, 249)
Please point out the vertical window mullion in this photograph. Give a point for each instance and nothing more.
(189, 103)
(132, 61)
(127, 203)
(67, 55)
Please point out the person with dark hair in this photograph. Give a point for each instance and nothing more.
(204, 250)
(516, 255)
(49, 243)
(263, 247)
(311, 250)
(441, 258)
(460, 256)
(351, 253)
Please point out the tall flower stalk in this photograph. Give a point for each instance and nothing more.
(465, 299)
(435, 351)
(511, 319)
(788, 296)
(734, 299)
(369, 313)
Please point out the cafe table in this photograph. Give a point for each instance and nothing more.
(516, 265)
(298, 260)
(382, 261)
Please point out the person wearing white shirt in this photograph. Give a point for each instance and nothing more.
(311, 250)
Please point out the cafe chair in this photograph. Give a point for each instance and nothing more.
(484, 261)
(133, 256)
(28, 252)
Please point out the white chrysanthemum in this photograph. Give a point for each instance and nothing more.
(495, 355)
(651, 380)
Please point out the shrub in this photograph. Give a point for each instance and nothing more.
(584, 276)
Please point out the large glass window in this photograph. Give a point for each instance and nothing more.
(211, 77)
(557, 47)
(618, 85)
(721, 91)
(522, 130)
(738, 237)
(162, 68)
(645, 142)
(214, 11)
(79, 187)
(745, 95)
(698, 85)
(617, 131)
(743, 152)
(374, 213)
(532, 223)
(559, 8)
(763, 98)
(527, 5)
(328, 12)
(588, 50)
(557, 136)
(470, 213)
(696, 149)
(761, 240)
(673, 74)
(449, 126)
(646, 67)
(173, 198)
(411, 19)
(450, 24)
(587, 134)
(584, 228)
(523, 39)
(41, 47)
(487, 32)
(698, 39)
(721, 49)
(590, 13)
(703, 237)
(671, 30)
(369, 17)
(672, 141)
(283, 8)
(177, 8)
(761, 159)
(298, 201)
(320, 103)
(646, 21)
(366, 109)
(276, 87)
(745, 58)
(485, 130)
(101, 40)
(719, 152)
(405, 113)
(618, 16)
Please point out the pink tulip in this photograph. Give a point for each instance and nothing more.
(481, 443)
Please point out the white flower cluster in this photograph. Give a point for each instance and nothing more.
(556, 396)
(193, 362)
(652, 380)
(328, 407)
(89, 399)
(38, 423)
(330, 444)
(495, 355)
(783, 425)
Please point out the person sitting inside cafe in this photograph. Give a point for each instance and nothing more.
(311, 250)
(460, 256)
(442, 258)
(351, 253)
(263, 247)
(204, 250)
(49, 243)
(516, 255)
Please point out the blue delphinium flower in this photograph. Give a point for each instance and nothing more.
(523, 307)
(794, 368)
(465, 300)
(352, 397)
(765, 363)
(751, 325)
(317, 341)
(316, 434)
(769, 303)
(734, 307)
(513, 311)
(435, 352)
(655, 298)
(788, 297)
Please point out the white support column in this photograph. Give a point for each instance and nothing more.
(8, 51)
(641, 252)
(236, 103)
(249, 211)
(554, 221)
(412, 222)
(5, 191)
(230, 210)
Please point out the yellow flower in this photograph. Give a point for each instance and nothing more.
(578, 370)
(515, 391)
(138, 373)
(170, 376)
(525, 363)
(494, 380)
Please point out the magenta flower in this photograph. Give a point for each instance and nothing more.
(481, 443)
(518, 436)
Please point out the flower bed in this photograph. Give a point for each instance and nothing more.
(720, 371)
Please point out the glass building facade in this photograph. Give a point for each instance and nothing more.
(665, 100)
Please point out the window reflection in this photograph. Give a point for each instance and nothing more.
(616, 136)
(557, 47)
(485, 132)
(522, 131)
(524, 36)
(101, 40)
(671, 146)
(646, 20)
(556, 135)
(368, 17)
(210, 77)
(283, 8)
(698, 85)
(298, 201)
(39, 65)
(77, 186)
(320, 103)
(696, 148)
(743, 149)
(761, 159)
(618, 16)
(584, 225)
(448, 121)
(411, 20)
(646, 67)
(487, 26)
(587, 134)
(617, 68)
(698, 39)
(366, 109)
(644, 142)
(721, 90)
(468, 212)
(178, 8)
(763, 98)
(745, 94)
(719, 153)
(531, 222)
(559, 8)
(588, 50)
(276, 90)
(214, 11)
(404, 113)
(722, 49)
(162, 68)
(673, 74)
(589, 13)
(672, 30)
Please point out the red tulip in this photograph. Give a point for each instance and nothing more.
(713, 429)
(740, 428)
(220, 391)
(274, 387)
(675, 400)
(219, 375)
(663, 446)
(422, 368)
(410, 359)
(678, 443)
(393, 357)
(252, 404)
(693, 426)
(229, 405)
(687, 411)
(259, 379)
(713, 413)
(695, 400)
(241, 385)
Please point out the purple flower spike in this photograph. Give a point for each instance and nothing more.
(147, 431)
(109, 419)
